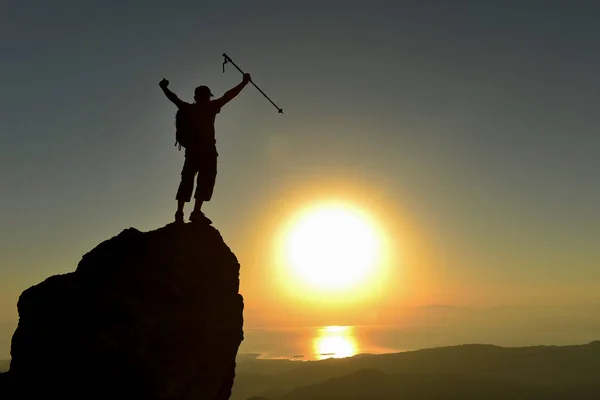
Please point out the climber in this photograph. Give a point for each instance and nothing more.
(196, 132)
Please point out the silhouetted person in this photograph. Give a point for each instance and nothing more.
(201, 153)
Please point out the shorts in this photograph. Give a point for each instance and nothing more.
(203, 166)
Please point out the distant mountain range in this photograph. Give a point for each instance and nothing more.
(370, 384)
(457, 372)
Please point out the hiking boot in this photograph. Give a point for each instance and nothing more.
(179, 217)
(198, 216)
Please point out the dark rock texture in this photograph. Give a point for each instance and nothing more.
(154, 315)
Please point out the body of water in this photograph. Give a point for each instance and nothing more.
(314, 343)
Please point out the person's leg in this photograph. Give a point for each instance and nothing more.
(205, 183)
(186, 186)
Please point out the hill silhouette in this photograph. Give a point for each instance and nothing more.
(369, 384)
(467, 370)
(154, 315)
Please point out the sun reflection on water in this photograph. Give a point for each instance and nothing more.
(334, 342)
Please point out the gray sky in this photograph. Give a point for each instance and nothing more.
(479, 119)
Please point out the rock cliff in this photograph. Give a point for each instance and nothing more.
(146, 315)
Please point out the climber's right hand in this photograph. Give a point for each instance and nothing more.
(164, 83)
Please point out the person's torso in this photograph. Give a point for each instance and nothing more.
(202, 123)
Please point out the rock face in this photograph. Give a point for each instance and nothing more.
(154, 315)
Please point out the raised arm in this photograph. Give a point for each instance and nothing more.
(232, 93)
(170, 95)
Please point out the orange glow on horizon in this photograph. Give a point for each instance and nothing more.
(402, 275)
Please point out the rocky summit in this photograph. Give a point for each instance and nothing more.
(146, 315)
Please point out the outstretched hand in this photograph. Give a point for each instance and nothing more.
(164, 83)
(246, 78)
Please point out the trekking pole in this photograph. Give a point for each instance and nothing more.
(227, 59)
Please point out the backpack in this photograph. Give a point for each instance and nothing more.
(183, 127)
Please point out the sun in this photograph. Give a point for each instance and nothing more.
(332, 246)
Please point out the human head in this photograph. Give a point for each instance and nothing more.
(202, 94)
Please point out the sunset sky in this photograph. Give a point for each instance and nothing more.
(467, 131)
